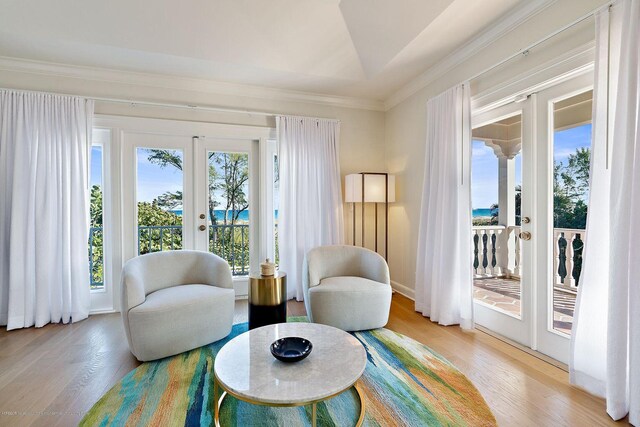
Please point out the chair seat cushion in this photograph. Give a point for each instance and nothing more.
(350, 303)
(350, 284)
(180, 318)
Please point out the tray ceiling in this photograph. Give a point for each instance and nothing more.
(356, 48)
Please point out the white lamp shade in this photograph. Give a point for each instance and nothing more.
(373, 188)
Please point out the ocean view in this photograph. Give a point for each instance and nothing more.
(244, 215)
(481, 212)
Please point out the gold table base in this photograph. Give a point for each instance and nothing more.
(217, 402)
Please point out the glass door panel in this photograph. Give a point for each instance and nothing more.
(571, 165)
(501, 285)
(496, 187)
(159, 189)
(226, 204)
(228, 208)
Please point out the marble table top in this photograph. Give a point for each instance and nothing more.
(246, 367)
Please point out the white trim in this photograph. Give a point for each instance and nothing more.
(403, 290)
(576, 62)
(484, 39)
(104, 299)
(184, 128)
(106, 311)
(162, 81)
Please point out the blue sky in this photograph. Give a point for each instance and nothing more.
(484, 180)
(96, 165)
(152, 179)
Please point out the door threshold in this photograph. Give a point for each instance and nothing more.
(534, 353)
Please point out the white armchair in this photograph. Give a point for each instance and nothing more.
(175, 301)
(346, 287)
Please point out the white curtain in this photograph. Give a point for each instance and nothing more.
(605, 347)
(310, 211)
(444, 277)
(44, 215)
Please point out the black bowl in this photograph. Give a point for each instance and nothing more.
(291, 349)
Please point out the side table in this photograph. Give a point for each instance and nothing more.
(267, 300)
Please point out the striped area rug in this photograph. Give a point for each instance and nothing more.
(405, 384)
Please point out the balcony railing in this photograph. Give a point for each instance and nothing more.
(96, 258)
(230, 242)
(497, 249)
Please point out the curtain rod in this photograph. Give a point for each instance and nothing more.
(133, 103)
(526, 50)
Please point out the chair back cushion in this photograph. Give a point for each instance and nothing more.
(342, 260)
(161, 270)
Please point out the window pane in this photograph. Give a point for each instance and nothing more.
(159, 199)
(96, 235)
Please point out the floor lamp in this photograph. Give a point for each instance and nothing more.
(377, 188)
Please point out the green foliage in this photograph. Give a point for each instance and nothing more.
(169, 200)
(96, 238)
(231, 183)
(571, 191)
(95, 207)
(158, 229)
(165, 158)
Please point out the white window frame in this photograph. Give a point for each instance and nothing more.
(102, 300)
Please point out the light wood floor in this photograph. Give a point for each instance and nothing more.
(51, 376)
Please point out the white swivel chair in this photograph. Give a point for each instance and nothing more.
(175, 301)
(346, 287)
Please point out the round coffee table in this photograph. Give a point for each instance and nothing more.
(245, 368)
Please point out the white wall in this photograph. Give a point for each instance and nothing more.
(405, 123)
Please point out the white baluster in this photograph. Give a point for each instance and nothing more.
(475, 233)
(498, 270)
(569, 280)
(490, 234)
(556, 257)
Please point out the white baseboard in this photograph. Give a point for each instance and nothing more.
(107, 311)
(403, 290)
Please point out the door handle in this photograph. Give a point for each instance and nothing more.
(202, 227)
(525, 235)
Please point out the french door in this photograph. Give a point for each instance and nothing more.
(528, 245)
(195, 192)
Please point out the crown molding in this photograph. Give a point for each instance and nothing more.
(484, 39)
(162, 81)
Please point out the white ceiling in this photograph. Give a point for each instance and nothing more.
(358, 48)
